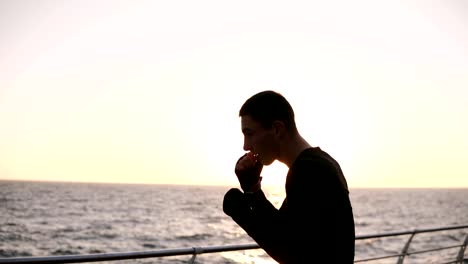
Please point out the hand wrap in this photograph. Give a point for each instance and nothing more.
(249, 178)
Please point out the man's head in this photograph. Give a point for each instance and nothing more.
(266, 119)
(269, 106)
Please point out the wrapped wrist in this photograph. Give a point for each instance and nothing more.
(253, 188)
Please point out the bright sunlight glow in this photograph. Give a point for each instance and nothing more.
(149, 91)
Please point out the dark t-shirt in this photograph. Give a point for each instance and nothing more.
(314, 224)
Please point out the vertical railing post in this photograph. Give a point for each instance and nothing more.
(196, 250)
(461, 253)
(404, 252)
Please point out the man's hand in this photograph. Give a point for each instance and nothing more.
(248, 170)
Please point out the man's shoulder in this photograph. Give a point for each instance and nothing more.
(315, 161)
(315, 153)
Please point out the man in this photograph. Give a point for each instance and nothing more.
(315, 223)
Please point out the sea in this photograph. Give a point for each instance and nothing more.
(61, 218)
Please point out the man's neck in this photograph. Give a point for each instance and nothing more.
(292, 148)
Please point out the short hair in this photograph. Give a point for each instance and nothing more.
(269, 106)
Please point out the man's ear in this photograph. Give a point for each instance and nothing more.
(279, 128)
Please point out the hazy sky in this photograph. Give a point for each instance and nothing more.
(149, 91)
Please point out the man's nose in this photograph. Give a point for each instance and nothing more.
(246, 145)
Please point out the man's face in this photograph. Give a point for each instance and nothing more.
(259, 140)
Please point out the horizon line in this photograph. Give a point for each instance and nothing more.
(226, 185)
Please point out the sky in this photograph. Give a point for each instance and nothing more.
(149, 91)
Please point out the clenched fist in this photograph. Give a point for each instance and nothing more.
(248, 170)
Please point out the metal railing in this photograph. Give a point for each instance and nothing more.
(194, 251)
(459, 259)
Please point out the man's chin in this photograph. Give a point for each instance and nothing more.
(265, 162)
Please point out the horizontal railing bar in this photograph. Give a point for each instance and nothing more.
(452, 262)
(416, 231)
(408, 253)
(127, 255)
(184, 251)
(433, 249)
(376, 258)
